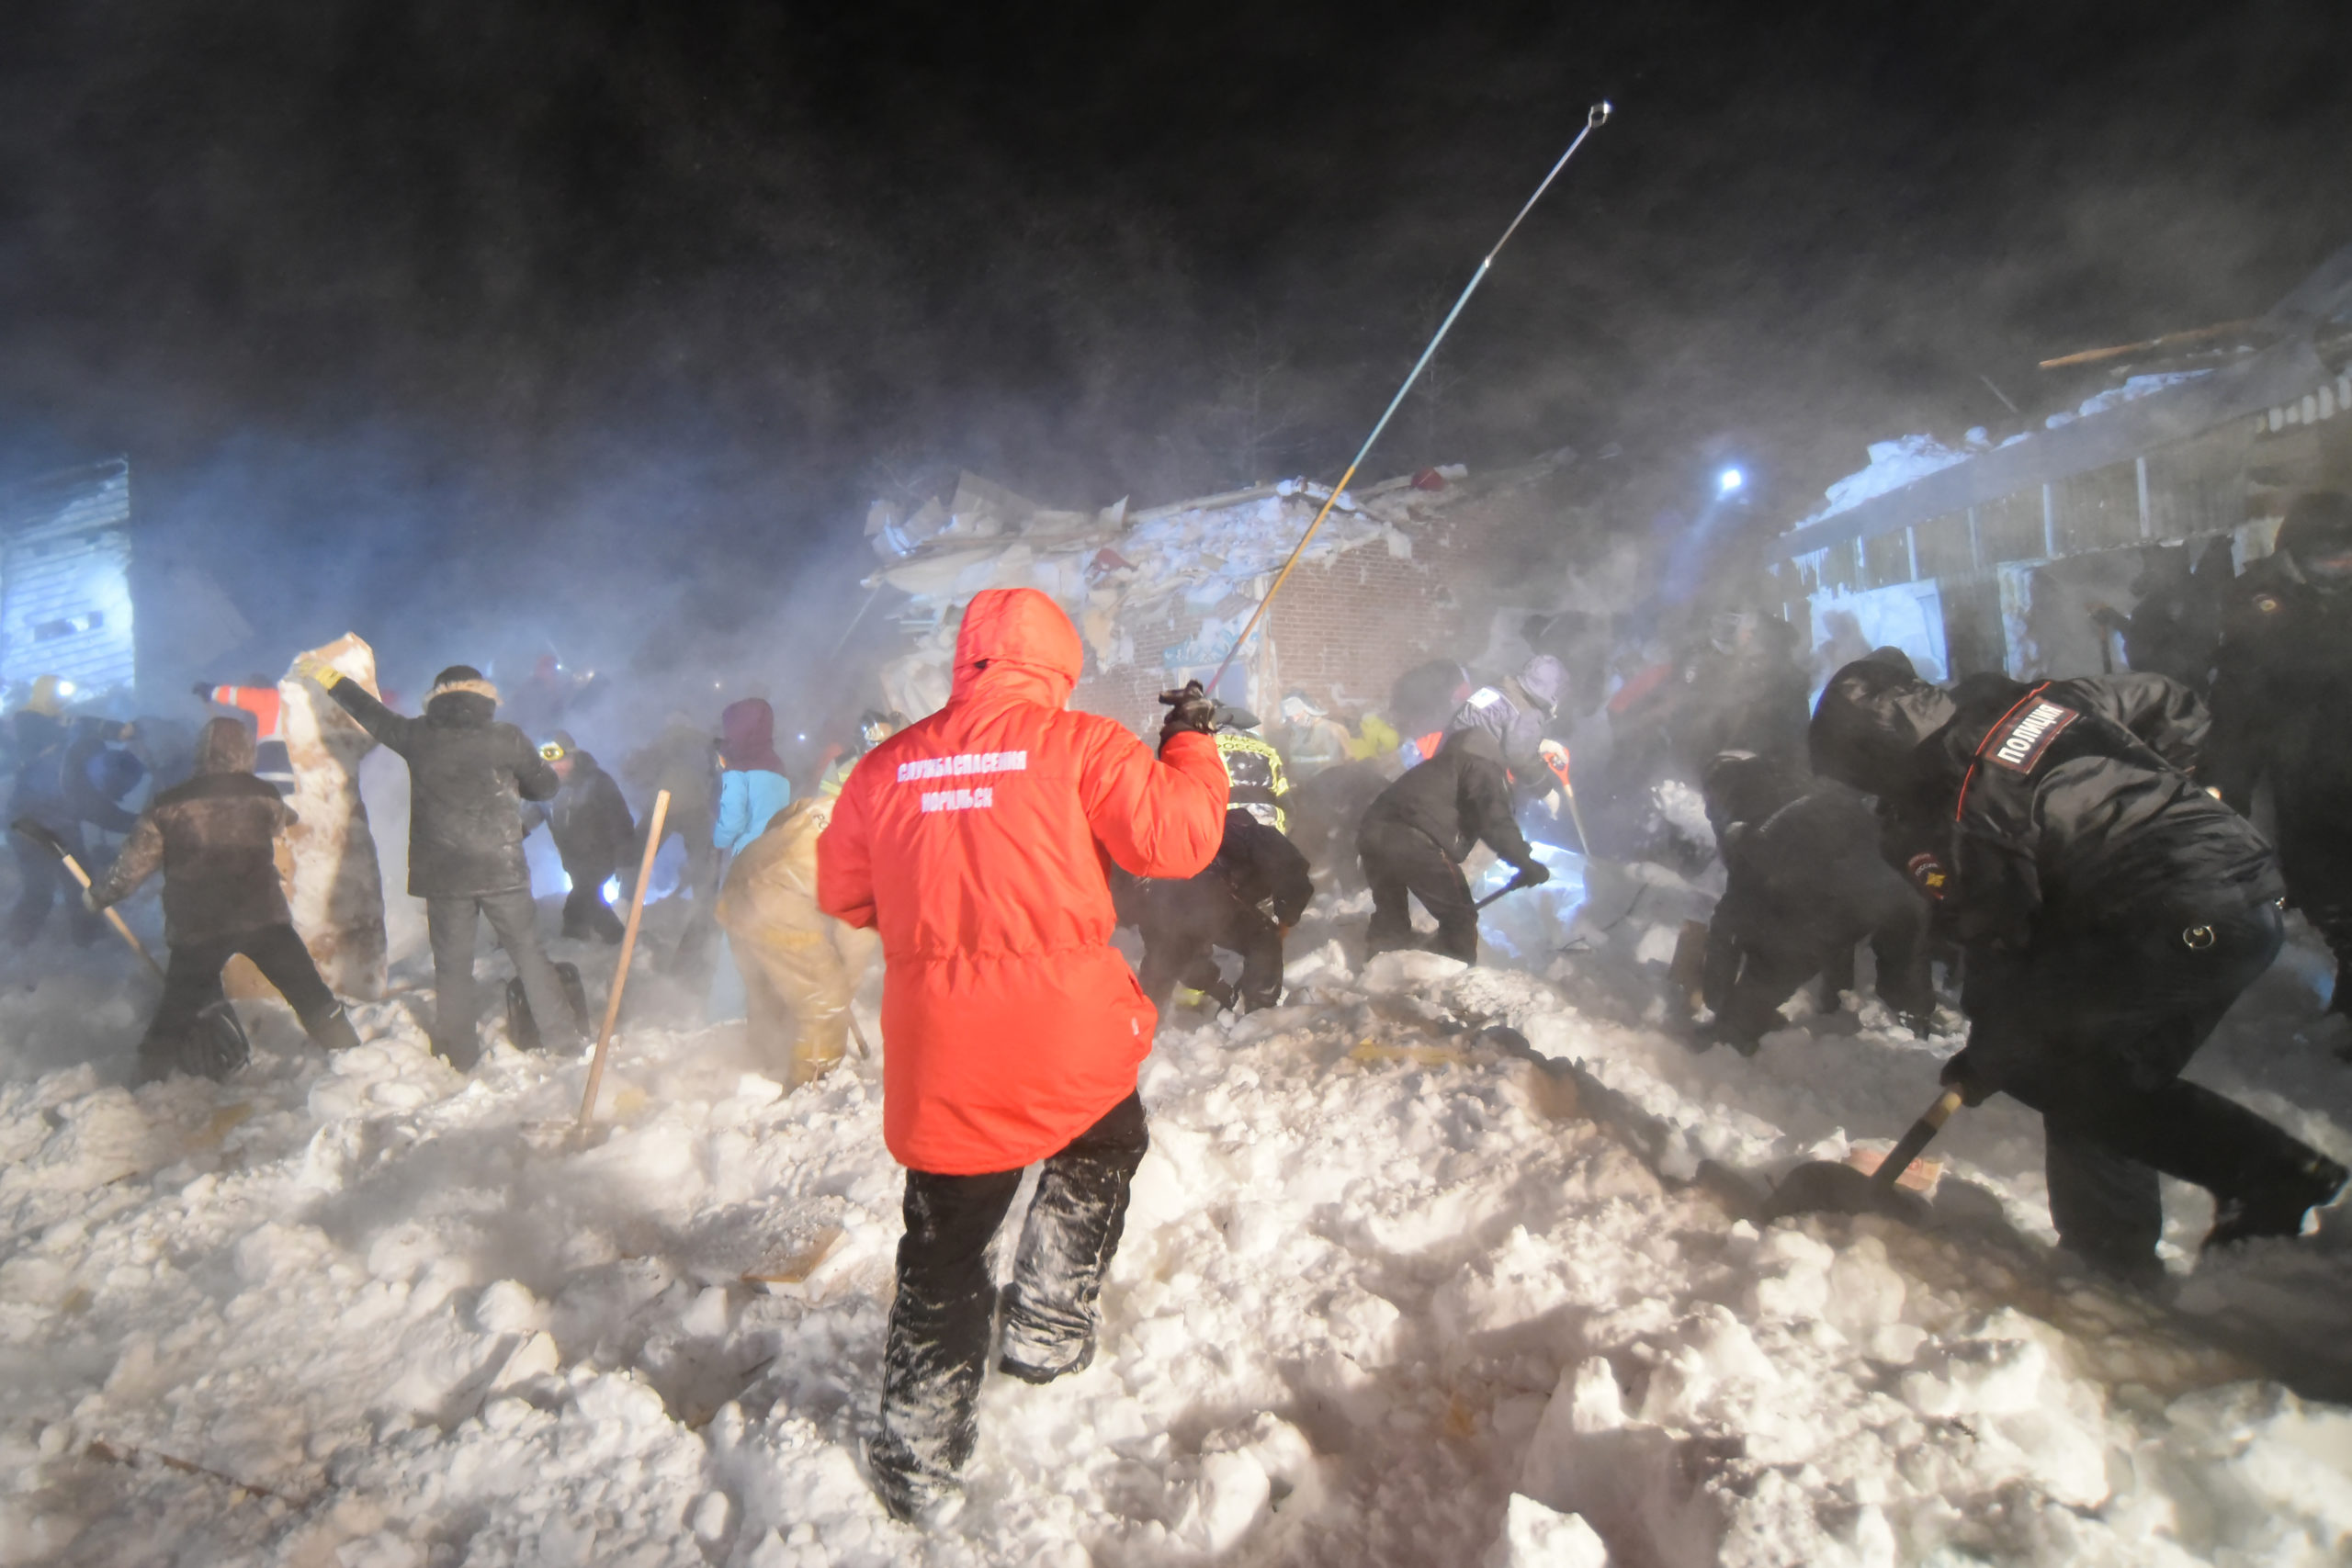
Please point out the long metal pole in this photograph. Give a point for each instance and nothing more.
(1597, 116)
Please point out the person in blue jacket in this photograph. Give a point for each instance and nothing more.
(752, 788)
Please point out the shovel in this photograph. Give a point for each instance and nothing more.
(1513, 886)
(56, 846)
(1821, 1187)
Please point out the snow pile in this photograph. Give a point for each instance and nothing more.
(1198, 560)
(1892, 465)
(1907, 459)
(1398, 1287)
(2133, 388)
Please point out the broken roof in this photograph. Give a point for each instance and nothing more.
(2111, 428)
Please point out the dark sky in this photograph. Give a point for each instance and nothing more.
(447, 314)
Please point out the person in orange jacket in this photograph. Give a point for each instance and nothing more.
(976, 840)
(260, 700)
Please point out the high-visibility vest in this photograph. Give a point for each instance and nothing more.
(1255, 776)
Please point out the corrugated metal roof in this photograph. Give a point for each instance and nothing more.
(2288, 374)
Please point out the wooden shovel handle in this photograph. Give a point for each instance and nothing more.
(1898, 1159)
(620, 970)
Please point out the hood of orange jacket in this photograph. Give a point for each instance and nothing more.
(1017, 645)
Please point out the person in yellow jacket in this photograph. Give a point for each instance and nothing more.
(1253, 767)
(799, 965)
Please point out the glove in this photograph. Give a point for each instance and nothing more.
(311, 666)
(1963, 1073)
(1534, 873)
(1191, 709)
(90, 901)
(204, 689)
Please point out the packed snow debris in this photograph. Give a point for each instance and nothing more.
(1199, 559)
(1427, 1301)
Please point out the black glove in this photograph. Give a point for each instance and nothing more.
(1191, 709)
(1965, 1073)
(204, 689)
(1534, 873)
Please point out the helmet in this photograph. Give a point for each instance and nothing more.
(874, 726)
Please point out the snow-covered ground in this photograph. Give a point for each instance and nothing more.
(1392, 1293)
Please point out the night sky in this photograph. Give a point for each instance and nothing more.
(431, 317)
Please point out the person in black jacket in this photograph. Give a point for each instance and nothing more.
(1416, 834)
(55, 787)
(214, 840)
(2282, 711)
(1246, 902)
(468, 776)
(1805, 884)
(593, 830)
(2112, 910)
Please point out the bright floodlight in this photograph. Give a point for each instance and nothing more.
(66, 688)
(1729, 480)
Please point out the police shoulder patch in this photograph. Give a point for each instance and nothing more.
(2019, 741)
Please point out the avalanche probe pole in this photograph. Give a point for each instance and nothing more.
(56, 846)
(620, 970)
(1597, 116)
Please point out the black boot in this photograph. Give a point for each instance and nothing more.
(217, 1046)
(2276, 1207)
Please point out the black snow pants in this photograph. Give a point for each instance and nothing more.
(42, 879)
(1400, 859)
(2094, 1032)
(451, 924)
(585, 913)
(192, 984)
(1183, 921)
(1758, 955)
(939, 1325)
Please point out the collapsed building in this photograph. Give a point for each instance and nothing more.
(1440, 563)
(2022, 556)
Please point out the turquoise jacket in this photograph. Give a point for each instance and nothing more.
(748, 798)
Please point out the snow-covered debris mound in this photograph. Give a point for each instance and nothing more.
(1390, 1294)
(1892, 465)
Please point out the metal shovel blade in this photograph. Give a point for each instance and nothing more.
(1825, 1187)
(1820, 1187)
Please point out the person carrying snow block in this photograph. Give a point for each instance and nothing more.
(468, 777)
(751, 785)
(2111, 909)
(1418, 833)
(977, 841)
(593, 830)
(1805, 884)
(1246, 902)
(214, 839)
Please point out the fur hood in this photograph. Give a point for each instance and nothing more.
(477, 687)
